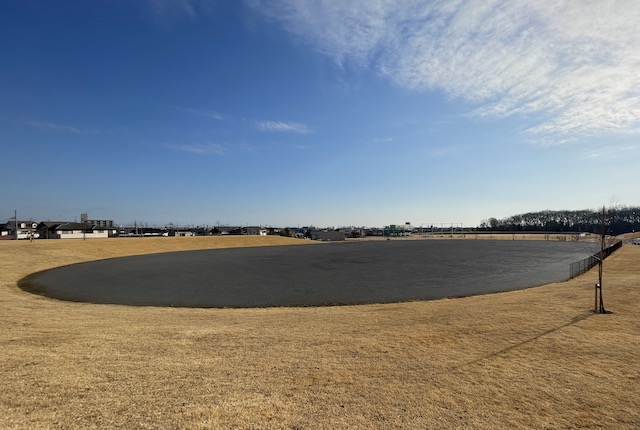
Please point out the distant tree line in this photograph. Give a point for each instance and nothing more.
(618, 220)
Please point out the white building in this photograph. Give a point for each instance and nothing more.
(25, 230)
(78, 230)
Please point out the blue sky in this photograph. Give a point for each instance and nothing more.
(325, 113)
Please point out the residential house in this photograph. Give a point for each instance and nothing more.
(256, 231)
(182, 233)
(231, 230)
(47, 229)
(25, 230)
(73, 230)
(4, 232)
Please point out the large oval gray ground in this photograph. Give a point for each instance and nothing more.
(324, 274)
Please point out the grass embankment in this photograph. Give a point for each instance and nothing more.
(536, 358)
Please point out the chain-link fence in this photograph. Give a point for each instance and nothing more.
(580, 267)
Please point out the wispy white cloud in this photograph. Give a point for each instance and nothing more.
(199, 149)
(207, 113)
(609, 152)
(50, 126)
(572, 65)
(190, 8)
(283, 127)
(434, 153)
(228, 149)
(279, 146)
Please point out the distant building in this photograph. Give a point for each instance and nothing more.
(328, 235)
(108, 223)
(231, 230)
(71, 230)
(79, 230)
(256, 231)
(97, 222)
(183, 233)
(4, 232)
(20, 230)
(356, 233)
(397, 230)
(138, 231)
(47, 229)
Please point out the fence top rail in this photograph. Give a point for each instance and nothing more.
(578, 268)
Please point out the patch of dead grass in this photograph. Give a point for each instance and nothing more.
(536, 358)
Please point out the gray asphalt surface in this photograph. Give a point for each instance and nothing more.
(325, 274)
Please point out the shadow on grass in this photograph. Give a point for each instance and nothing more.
(573, 321)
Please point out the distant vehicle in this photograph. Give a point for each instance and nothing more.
(636, 241)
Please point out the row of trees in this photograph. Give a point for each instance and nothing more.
(619, 219)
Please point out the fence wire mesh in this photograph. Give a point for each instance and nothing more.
(580, 267)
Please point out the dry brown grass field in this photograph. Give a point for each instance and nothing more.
(536, 358)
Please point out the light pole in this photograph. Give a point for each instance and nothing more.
(599, 304)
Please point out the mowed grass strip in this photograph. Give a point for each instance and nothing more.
(536, 358)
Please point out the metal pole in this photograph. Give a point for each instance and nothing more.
(600, 308)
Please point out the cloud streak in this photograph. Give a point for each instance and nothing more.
(570, 67)
(190, 8)
(283, 127)
(199, 149)
(206, 113)
(50, 126)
